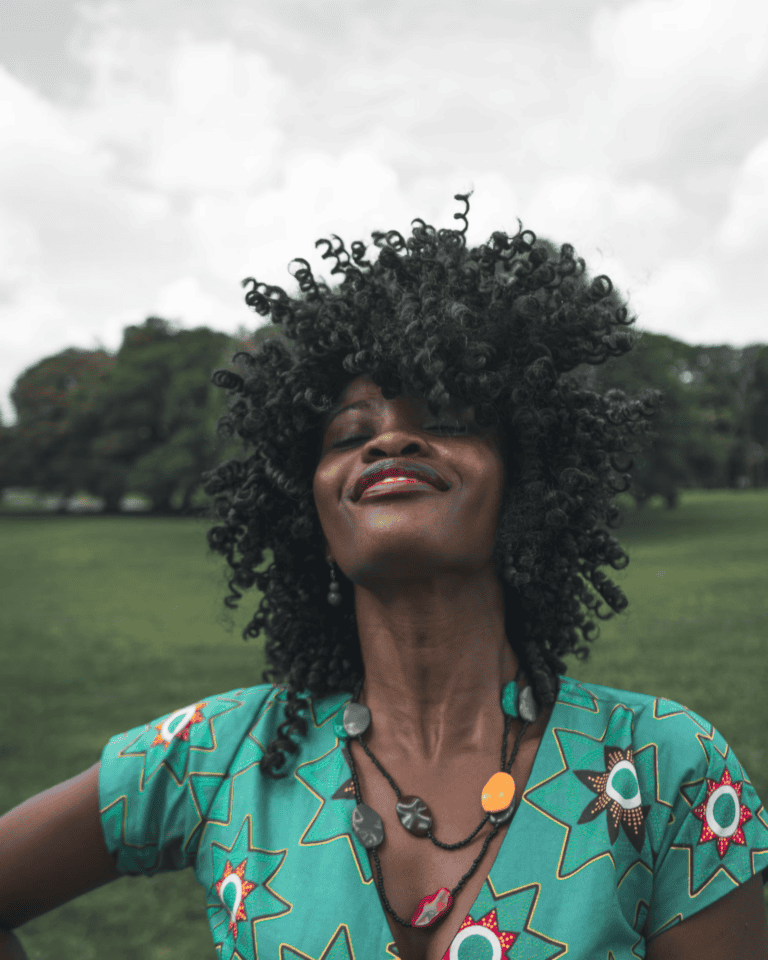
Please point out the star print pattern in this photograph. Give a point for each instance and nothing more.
(235, 897)
(711, 829)
(621, 812)
(178, 724)
(242, 887)
(486, 929)
(635, 805)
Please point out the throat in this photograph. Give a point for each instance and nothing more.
(440, 747)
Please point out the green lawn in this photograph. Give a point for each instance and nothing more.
(107, 623)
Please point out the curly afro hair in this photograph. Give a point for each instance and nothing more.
(500, 326)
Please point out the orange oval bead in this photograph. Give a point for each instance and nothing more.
(498, 793)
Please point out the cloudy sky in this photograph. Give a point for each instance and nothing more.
(154, 154)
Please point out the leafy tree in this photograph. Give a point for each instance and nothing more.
(756, 417)
(142, 430)
(143, 420)
(110, 423)
(42, 395)
(730, 402)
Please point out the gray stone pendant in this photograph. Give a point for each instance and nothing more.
(357, 719)
(414, 815)
(497, 819)
(527, 706)
(516, 703)
(367, 825)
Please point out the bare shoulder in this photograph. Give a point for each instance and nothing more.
(733, 926)
(53, 850)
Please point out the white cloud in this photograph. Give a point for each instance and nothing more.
(680, 299)
(41, 158)
(35, 311)
(186, 301)
(685, 45)
(746, 222)
(32, 131)
(19, 252)
(635, 221)
(670, 67)
(219, 131)
(56, 186)
(197, 115)
(258, 235)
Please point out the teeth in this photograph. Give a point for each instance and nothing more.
(395, 480)
(398, 480)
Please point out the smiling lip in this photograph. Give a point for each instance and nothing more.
(391, 468)
(399, 485)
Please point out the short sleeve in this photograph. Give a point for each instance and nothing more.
(716, 835)
(158, 781)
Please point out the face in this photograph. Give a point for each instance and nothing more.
(415, 531)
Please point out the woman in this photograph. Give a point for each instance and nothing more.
(436, 490)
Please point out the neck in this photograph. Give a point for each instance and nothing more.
(436, 661)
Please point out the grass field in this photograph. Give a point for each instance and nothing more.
(108, 623)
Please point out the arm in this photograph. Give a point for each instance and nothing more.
(52, 850)
(732, 927)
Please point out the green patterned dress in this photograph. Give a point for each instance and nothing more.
(636, 815)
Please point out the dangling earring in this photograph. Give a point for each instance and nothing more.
(334, 595)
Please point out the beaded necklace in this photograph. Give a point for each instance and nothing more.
(497, 799)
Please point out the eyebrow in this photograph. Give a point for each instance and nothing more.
(340, 408)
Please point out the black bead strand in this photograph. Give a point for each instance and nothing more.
(359, 799)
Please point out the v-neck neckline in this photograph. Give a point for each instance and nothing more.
(533, 779)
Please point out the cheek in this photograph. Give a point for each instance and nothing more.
(489, 494)
(326, 489)
(327, 477)
(491, 482)
(319, 494)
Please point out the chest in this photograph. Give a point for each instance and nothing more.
(413, 867)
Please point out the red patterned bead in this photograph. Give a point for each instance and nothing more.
(432, 908)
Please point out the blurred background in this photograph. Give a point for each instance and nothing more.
(152, 155)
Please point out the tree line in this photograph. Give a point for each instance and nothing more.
(142, 420)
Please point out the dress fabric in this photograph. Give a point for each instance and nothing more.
(636, 815)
